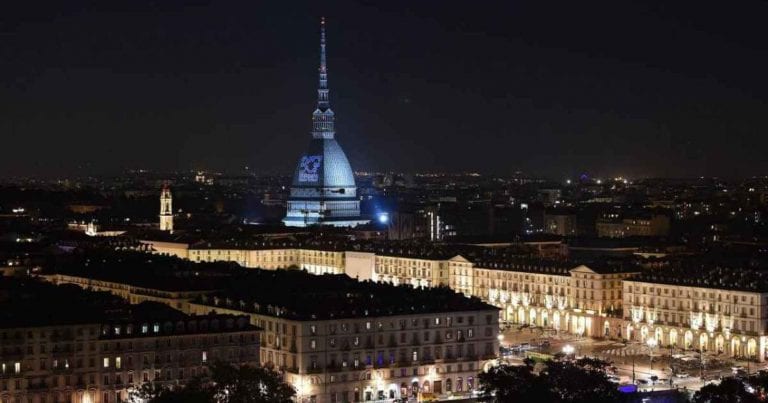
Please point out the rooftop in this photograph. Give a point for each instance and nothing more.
(32, 303)
(145, 270)
(302, 296)
(726, 278)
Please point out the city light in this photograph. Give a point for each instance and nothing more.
(383, 218)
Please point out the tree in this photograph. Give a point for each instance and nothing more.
(728, 391)
(577, 381)
(248, 384)
(580, 381)
(506, 383)
(226, 384)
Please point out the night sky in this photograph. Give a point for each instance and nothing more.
(554, 88)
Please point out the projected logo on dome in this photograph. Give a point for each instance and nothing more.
(310, 165)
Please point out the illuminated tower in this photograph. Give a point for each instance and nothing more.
(323, 191)
(166, 210)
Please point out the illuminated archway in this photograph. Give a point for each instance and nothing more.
(751, 348)
(735, 347)
(688, 339)
(673, 337)
(703, 342)
(719, 343)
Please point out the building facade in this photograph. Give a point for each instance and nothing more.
(375, 358)
(92, 357)
(700, 316)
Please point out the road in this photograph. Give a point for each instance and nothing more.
(633, 361)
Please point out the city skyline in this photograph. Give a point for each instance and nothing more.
(101, 89)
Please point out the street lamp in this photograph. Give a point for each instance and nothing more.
(568, 350)
(652, 342)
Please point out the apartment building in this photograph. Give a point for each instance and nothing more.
(65, 344)
(716, 310)
(341, 340)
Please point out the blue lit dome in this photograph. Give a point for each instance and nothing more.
(324, 165)
(323, 190)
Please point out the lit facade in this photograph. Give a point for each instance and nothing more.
(375, 358)
(695, 317)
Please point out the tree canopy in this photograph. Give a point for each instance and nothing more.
(227, 384)
(583, 380)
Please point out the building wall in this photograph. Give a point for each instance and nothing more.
(360, 265)
(377, 357)
(714, 320)
(90, 363)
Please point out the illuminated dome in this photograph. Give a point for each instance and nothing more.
(323, 165)
(323, 191)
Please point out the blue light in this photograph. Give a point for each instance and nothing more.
(383, 218)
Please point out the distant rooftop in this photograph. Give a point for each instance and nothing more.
(727, 278)
(302, 296)
(32, 303)
(144, 270)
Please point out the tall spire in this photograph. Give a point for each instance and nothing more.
(322, 118)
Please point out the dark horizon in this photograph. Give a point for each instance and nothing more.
(553, 89)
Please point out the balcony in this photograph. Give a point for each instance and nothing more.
(314, 370)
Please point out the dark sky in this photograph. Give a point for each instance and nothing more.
(668, 88)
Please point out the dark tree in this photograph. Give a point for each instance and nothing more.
(227, 384)
(580, 381)
(249, 385)
(507, 383)
(560, 381)
(730, 390)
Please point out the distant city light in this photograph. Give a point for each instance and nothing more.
(383, 218)
(568, 181)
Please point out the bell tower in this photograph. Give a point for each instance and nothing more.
(166, 210)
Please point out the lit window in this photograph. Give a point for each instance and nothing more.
(17, 367)
(117, 362)
(156, 327)
(144, 328)
(312, 344)
(106, 362)
(205, 356)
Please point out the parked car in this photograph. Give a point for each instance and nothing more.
(682, 375)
